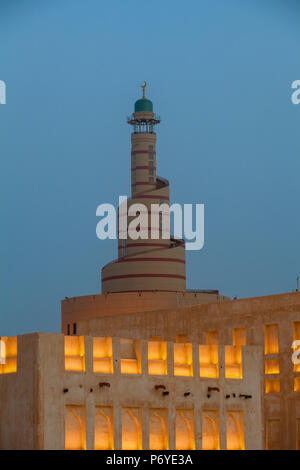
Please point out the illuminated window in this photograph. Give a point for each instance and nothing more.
(272, 366)
(271, 339)
(75, 430)
(212, 337)
(183, 359)
(208, 359)
(235, 430)
(296, 337)
(184, 430)
(273, 434)
(157, 358)
(102, 355)
(104, 429)
(74, 353)
(158, 435)
(239, 336)
(8, 354)
(130, 356)
(131, 429)
(272, 386)
(233, 362)
(210, 430)
(297, 384)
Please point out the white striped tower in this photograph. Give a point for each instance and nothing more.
(146, 264)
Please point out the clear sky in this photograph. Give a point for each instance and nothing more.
(219, 74)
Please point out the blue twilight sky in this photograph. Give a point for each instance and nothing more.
(219, 74)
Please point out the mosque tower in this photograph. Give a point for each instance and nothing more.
(153, 263)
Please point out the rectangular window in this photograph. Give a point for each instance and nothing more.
(150, 172)
(273, 434)
(130, 356)
(102, 355)
(69, 330)
(131, 429)
(183, 359)
(297, 384)
(239, 336)
(103, 428)
(151, 156)
(272, 386)
(271, 366)
(233, 362)
(235, 430)
(158, 423)
(74, 328)
(151, 180)
(271, 339)
(210, 430)
(208, 359)
(74, 353)
(157, 358)
(184, 430)
(8, 354)
(150, 163)
(75, 427)
(150, 148)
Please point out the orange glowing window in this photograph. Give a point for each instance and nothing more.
(210, 430)
(212, 337)
(272, 366)
(183, 359)
(158, 435)
(296, 337)
(74, 353)
(104, 429)
(271, 339)
(130, 356)
(272, 386)
(131, 429)
(8, 354)
(102, 355)
(235, 430)
(239, 336)
(233, 362)
(184, 430)
(157, 358)
(208, 359)
(297, 384)
(75, 428)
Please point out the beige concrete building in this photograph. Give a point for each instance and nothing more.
(148, 364)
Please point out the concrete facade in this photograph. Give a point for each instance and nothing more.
(56, 400)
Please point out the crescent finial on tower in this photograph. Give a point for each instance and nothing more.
(144, 86)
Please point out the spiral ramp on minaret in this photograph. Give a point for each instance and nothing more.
(151, 262)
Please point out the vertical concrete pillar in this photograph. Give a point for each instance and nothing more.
(117, 427)
(145, 428)
(222, 409)
(172, 426)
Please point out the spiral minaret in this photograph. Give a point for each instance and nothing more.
(154, 263)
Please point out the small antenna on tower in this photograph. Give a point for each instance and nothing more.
(297, 290)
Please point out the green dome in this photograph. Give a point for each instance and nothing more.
(143, 105)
